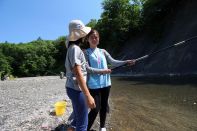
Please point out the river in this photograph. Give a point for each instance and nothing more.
(153, 106)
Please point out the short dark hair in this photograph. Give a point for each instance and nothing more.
(92, 32)
(77, 42)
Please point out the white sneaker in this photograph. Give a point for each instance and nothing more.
(102, 129)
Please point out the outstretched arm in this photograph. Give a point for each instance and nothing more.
(115, 62)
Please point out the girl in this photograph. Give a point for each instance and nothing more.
(76, 76)
(98, 81)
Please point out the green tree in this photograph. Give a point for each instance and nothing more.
(30, 59)
(118, 20)
(5, 67)
(60, 55)
(92, 23)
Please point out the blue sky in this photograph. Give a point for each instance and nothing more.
(26, 20)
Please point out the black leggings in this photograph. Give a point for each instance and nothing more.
(101, 100)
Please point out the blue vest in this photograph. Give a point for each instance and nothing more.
(97, 59)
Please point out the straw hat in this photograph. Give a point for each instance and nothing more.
(77, 30)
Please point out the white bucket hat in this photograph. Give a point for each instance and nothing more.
(77, 30)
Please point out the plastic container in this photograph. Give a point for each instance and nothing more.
(60, 108)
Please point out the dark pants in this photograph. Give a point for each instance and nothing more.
(101, 100)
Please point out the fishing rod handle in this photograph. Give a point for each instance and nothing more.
(141, 58)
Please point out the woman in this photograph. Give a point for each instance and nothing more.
(76, 76)
(99, 84)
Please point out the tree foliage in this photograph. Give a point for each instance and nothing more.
(36, 58)
(5, 67)
(92, 23)
(119, 20)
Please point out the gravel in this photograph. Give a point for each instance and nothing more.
(25, 103)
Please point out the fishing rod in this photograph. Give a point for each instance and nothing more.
(161, 50)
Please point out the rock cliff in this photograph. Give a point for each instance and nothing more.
(180, 25)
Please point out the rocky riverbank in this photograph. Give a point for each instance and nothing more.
(26, 102)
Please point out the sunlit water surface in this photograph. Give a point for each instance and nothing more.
(154, 105)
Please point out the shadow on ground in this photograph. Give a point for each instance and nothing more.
(62, 127)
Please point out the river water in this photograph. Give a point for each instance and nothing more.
(153, 106)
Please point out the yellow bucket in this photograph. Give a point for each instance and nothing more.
(60, 108)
